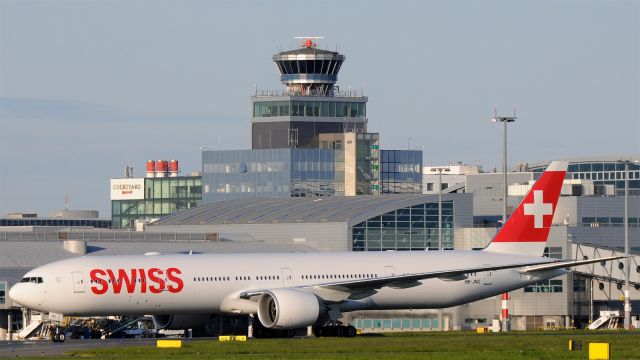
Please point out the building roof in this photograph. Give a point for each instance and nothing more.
(352, 209)
(306, 50)
(585, 159)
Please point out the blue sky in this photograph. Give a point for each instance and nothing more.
(88, 87)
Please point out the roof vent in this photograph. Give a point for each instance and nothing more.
(75, 246)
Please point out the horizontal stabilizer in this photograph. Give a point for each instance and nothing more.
(565, 264)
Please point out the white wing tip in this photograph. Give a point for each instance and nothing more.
(558, 166)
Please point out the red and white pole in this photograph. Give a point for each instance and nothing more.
(505, 307)
(504, 315)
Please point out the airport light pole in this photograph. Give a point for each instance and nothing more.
(439, 170)
(505, 120)
(440, 209)
(627, 265)
(440, 312)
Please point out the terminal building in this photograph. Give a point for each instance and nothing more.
(607, 173)
(316, 179)
(363, 223)
(137, 201)
(57, 219)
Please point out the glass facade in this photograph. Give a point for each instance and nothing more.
(319, 66)
(548, 286)
(299, 134)
(609, 222)
(367, 164)
(317, 172)
(553, 252)
(545, 286)
(401, 171)
(401, 323)
(412, 228)
(310, 108)
(162, 197)
(604, 173)
(97, 223)
(579, 284)
(3, 288)
(237, 174)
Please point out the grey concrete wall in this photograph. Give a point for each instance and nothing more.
(488, 191)
(462, 209)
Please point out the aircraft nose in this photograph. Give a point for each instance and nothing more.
(15, 293)
(18, 294)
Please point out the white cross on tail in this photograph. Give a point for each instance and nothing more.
(538, 209)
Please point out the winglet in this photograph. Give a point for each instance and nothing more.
(527, 229)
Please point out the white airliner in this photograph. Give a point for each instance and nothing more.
(294, 290)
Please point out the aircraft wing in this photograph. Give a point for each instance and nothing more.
(565, 264)
(340, 290)
(360, 288)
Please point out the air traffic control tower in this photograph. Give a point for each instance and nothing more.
(310, 105)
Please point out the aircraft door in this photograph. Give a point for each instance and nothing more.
(488, 276)
(78, 281)
(390, 270)
(287, 278)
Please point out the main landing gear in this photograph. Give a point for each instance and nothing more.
(57, 335)
(336, 329)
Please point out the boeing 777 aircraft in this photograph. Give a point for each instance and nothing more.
(294, 290)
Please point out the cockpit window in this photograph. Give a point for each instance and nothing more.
(35, 280)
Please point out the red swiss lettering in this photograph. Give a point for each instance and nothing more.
(130, 282)
(100, 285)
(153, 280)
(123, 277)
(143, 281)
(172, 275)
(154, 277)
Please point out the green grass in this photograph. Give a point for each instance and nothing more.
(449, 345)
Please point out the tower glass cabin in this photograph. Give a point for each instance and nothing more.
(311, 103)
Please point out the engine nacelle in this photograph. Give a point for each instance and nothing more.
(180, 322)
(288, 309)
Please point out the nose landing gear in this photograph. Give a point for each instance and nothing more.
(57, 335)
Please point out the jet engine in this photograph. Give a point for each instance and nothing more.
(288, 309)
(180, 322)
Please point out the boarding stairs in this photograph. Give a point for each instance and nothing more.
(120, 325)
(609, 318)
(31, 328)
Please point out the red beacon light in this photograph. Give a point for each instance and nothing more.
(308, 41)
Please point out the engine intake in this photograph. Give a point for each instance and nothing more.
(288, 309)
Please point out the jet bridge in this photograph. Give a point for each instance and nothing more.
(610, 271)
(607, 282)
